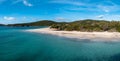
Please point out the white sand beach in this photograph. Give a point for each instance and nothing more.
(108, 36)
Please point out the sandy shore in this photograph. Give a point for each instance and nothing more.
(108, 36)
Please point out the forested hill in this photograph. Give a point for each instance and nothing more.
(80, 25)
(89, 26)
(38, 23)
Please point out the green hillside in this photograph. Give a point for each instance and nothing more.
(89, 26)
(79, 25)
(38, 23)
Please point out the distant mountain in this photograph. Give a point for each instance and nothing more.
(38, 23)
(1, 24)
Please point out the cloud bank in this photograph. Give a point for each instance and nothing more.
(9, 18)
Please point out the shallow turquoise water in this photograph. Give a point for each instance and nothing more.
(17, 45)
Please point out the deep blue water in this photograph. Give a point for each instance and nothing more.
(17, 45)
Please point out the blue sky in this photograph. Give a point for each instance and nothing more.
(19, 11)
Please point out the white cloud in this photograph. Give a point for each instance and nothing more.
(67, 2)
(108, 6)
(9, 18)
(26, 3)
(103, 6)
(100, 16)
(94, 9)
(17, 1)
(108, 17)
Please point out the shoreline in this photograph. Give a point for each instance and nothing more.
(107, 36)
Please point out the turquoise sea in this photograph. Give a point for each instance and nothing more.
(18, 45)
